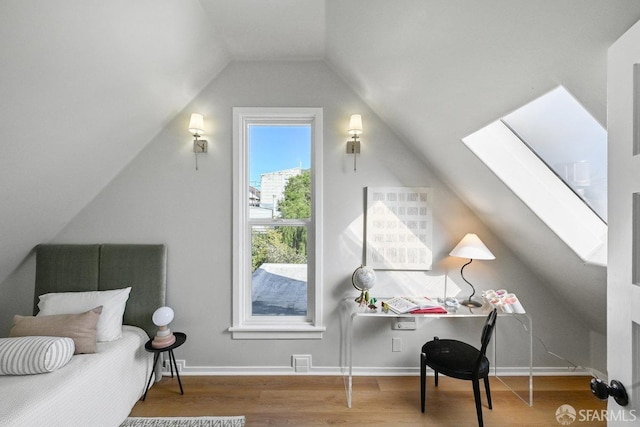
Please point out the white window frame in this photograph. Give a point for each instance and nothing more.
(245, 325)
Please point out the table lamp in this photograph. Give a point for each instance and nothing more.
(161, 318)
(471, 247)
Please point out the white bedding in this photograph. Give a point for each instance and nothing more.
(92, 390)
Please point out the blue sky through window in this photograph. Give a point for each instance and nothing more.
(274, 148)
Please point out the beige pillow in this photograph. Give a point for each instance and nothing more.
(80, 327)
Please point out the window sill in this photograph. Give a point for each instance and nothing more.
(306, 332)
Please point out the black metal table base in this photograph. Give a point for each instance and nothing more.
(172, 366)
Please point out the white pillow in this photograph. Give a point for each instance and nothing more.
(34, 355)
(113, 303)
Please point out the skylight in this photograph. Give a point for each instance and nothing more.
(569, 141)
(553, 154)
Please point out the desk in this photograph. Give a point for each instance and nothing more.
(354, 311)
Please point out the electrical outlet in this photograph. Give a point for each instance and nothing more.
(180, 365)
(404, 323)
(396, 344)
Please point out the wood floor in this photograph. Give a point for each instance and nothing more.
(389, 401)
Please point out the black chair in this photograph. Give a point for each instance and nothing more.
(460, 360)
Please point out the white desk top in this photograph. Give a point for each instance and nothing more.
(357, 310)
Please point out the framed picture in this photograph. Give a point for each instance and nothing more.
(398, 232)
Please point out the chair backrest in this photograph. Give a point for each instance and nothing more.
(487, 332)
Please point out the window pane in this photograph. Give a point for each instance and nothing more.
(279, 171)
(279, 270)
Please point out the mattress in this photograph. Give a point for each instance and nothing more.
(91, 390)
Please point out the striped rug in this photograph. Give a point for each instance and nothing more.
(184, 422)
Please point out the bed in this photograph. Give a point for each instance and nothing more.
(97, 389)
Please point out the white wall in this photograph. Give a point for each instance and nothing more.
(160, 198)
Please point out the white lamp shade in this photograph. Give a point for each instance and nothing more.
(472, 247)
(162, 316)
(355, 124)
(196, 124)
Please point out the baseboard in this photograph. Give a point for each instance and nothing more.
(361, 371)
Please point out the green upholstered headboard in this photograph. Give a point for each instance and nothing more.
(100, 267)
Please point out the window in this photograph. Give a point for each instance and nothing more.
(553, 154)
(277, 223)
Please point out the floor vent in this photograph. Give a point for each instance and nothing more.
(301, 362)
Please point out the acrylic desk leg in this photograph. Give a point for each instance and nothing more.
(350, 357)
(528, 327)
(530, 361)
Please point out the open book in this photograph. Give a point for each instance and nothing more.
(413, 304)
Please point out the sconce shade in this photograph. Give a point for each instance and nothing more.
(162, 316)
(196, 124)
(355, 124)
(472, 247)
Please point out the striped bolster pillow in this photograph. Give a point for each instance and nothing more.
(34, 355)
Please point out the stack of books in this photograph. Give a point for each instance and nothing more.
(413, 305)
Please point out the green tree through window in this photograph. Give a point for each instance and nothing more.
(286, 244)
(297, 204)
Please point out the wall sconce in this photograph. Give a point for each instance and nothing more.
(196, 127)
(355, 130)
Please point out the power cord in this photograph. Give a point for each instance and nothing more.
(574, 367)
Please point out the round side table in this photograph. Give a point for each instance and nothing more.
(180, 339)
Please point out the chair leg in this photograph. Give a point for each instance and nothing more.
(488, 390)
(436, 377)
(476, 394)
(423, 379)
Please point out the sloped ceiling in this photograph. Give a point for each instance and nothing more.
(437, 71)
(85, 84)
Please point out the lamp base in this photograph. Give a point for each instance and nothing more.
(162, 342)
(468, 302)
(164, 338)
